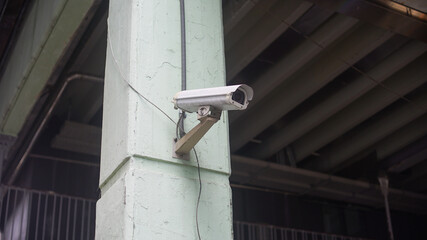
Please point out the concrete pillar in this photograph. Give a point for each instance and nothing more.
(145, 193)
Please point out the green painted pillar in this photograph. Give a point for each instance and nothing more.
(145, 193)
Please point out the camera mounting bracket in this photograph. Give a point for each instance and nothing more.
(207, 116)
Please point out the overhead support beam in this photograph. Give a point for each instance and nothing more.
(338, 101)
(328, 33)
(89, 102)
(64, 160)
(372, 132)
(369, 104)
(419, 5)
(406, 157)
(415, 177)
(307, 81)
(399, 19)
(52, 27)
(391, 144)
(234, 12)
(304, 182)
(402, 138)
(267, 29)
(97, 37)
(93, 107)
(409, 161)
(91, 96)
(6, 142)
(78, 137)
(249, 12)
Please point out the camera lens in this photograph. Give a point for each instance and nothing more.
(239, 96)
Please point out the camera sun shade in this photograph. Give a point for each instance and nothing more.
(234, 97)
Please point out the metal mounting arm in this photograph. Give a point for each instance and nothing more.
(207, 116)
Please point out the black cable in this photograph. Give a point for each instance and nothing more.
(200, 179)
(146, 99)
(180, 124)
(183, 62)
(183, 48)
(200, 194)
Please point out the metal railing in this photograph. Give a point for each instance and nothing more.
(251, 231)
(32, 214)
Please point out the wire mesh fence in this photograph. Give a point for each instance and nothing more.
(251, 231)
(31, 214)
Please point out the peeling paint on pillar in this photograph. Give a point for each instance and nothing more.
(145, 192)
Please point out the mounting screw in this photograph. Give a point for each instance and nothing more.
(203, 111)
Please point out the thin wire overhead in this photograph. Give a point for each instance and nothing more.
(127, 82)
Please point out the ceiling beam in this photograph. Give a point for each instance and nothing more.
(384, 14)
(262, 34)
(402, 82)
(415, 177)
(78, 137)
(419, 5)
(306, 82)
(91, 94)
(406, 157)
(233, 12)
(322, 111)
(327, 34)
(372, 132)
(401, 138)
(391, 144)
(244, 16)
(87, 105)
(304, 182)
(6, 142)
(409, 161)
(53, 28)
(97, 35)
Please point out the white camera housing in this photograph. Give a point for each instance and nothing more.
(208, 103)
(234, 97)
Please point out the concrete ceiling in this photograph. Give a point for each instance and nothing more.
(334, 96)
(419, 5)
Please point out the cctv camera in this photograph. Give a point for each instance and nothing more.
(208, 103)
(234, 97)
